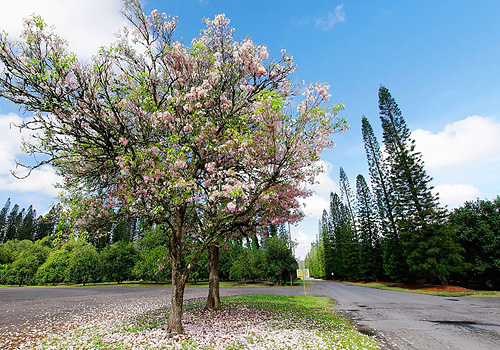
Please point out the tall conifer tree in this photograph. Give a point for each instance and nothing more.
(27, 228)
(347, 195)
(419, 217)
(3, 221)
(380, 180)
(11, 229)
(368, 228)
(394, 263)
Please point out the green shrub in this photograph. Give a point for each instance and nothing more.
(83, 264)
(118, 260)
(54, 269)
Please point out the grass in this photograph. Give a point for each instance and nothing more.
(389, 286)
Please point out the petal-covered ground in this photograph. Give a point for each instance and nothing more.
(246, 322)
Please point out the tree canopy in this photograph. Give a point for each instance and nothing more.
(203, 140)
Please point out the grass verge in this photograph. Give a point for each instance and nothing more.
(390, 286)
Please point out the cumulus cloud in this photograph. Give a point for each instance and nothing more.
(453, 196)
(40, 181)
(304, 243)
(315, 204)
(87, 25)
(472, 140)
(10, 141)
(334, 17)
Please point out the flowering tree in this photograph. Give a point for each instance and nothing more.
(201, 140)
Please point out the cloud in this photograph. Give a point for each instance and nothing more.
(455, 195)
(304, 243)
(315, 204)
(301, 22)
(87, 25)
(472, 140)
(334, 17)
(40, 181)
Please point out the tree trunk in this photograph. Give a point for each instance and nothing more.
(174, 325)
(213, 300)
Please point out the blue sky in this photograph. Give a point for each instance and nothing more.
(439, 59)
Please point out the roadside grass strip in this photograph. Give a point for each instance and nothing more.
(244, 322)
(390, 286)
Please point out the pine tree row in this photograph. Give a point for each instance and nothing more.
(22, 224)
(395, 230)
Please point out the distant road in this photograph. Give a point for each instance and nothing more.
(402, 321)
(415, 321)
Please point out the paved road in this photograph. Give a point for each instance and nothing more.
(27, 308)
(399, 320)
(417, 321)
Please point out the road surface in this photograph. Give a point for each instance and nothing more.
(398, 320)
(416, 321)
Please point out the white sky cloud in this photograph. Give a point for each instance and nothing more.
(40, 181)
(315, 204)
(86, 24)
(304, 243)
(10, 142)
(472, 140)
(455, 195)
(334, 17)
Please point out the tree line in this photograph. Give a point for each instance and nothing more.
(53, 259)
(395, 229)
(24, 224)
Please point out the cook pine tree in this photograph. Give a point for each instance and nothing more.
(430, 252)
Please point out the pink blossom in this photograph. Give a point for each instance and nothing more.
(180, 164)
(123, 141)
(263, 54)
(246, 87)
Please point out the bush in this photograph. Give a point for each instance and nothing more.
(249, 266)
(147, 267)
(54, 269)
(26, 258)
(280, 261)
(83, 264)
(118, 260)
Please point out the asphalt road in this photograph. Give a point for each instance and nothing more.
(398, 320)
(416, 321)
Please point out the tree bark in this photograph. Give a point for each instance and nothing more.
(174, 325)
(213, 299)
